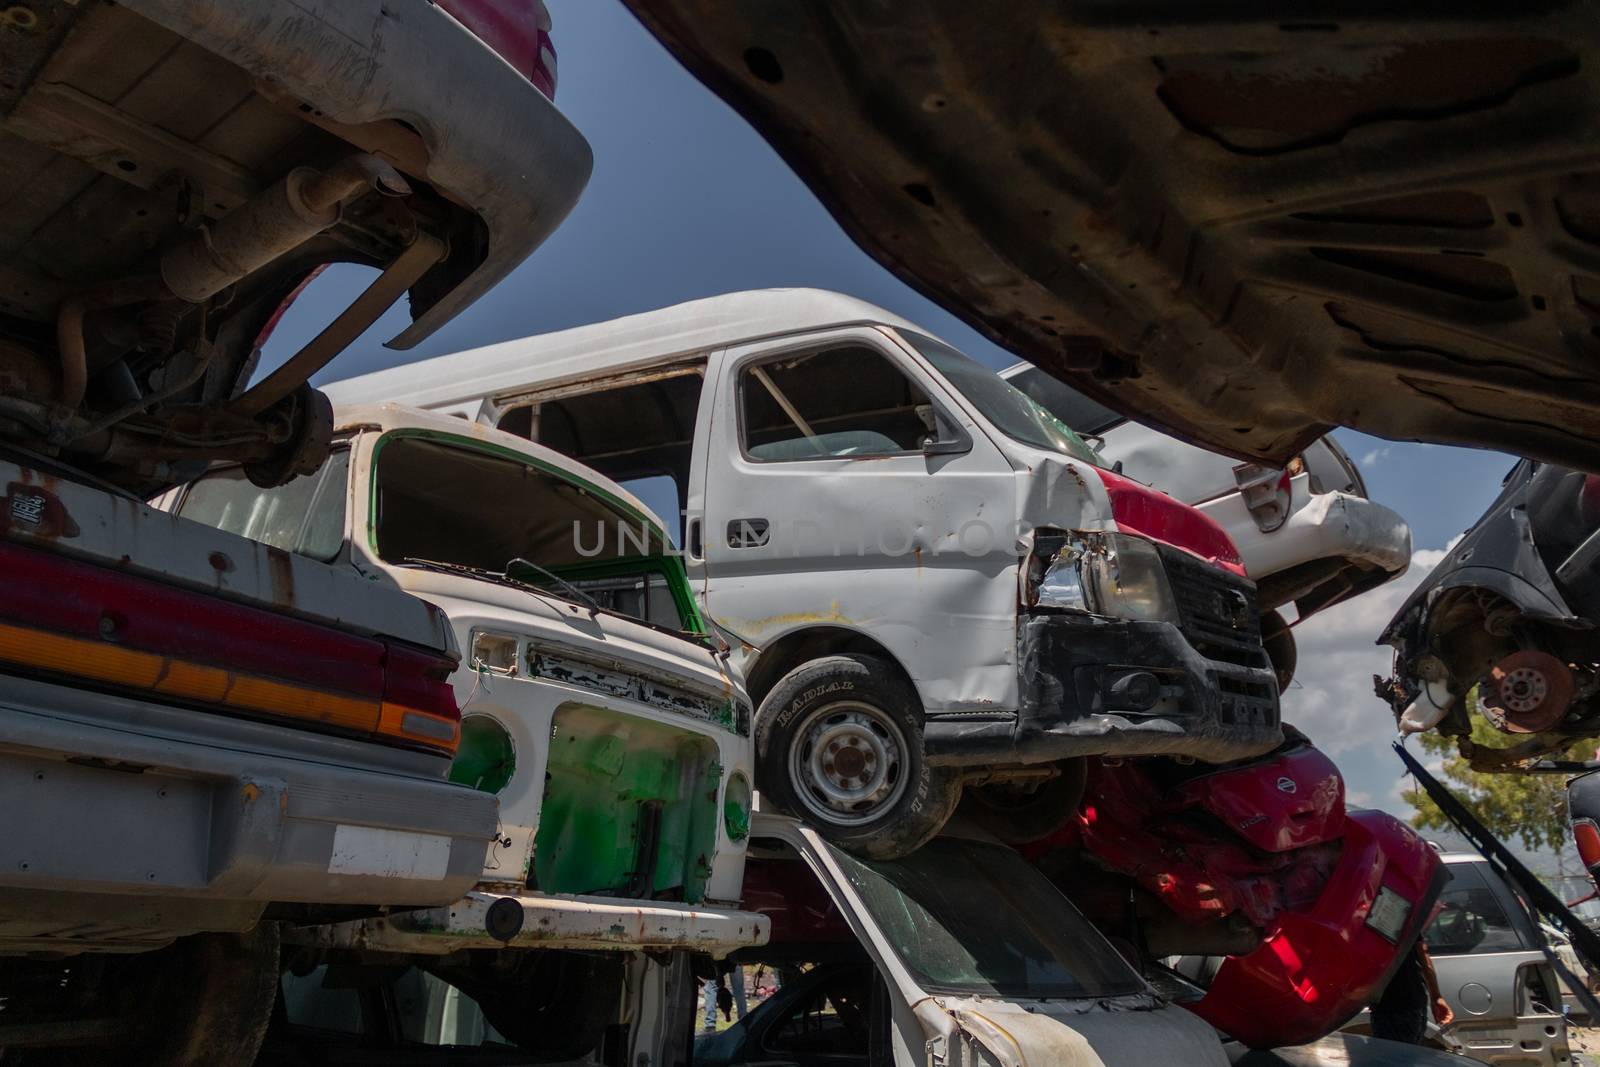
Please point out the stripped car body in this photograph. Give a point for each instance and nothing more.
(1307, 533)
(927, 545)
(619, 748)
(1241, 227)
(1290, 912)
(176, 170)
(595, 708)
(1510, 612)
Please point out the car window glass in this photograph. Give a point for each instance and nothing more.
(973, 918)
(1471, 918)
(295, 516)
(1066, 403)
(838, 403)
(831, 1020)
(1008, 409)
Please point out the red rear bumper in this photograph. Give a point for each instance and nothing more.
(1317, 969)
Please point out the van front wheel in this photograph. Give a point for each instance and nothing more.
(839, 744)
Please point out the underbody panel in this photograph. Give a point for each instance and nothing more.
(1241, 228)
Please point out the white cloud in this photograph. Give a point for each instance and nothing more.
(1331, 698)
(1371, 458)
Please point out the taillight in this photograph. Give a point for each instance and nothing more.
(62, 617)
(418, 701)
(518, 31)
(1587, 837)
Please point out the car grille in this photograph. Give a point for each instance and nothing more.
(1218, 609)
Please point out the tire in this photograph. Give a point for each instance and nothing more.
(1020, 817)
(553, 1004)
(895, 801)
(1402, 1012)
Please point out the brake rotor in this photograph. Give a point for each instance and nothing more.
(1528, 692)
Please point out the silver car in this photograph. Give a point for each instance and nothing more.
(1493, 972)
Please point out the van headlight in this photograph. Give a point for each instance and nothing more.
(1114, 574)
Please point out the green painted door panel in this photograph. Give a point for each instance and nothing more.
(630, 808)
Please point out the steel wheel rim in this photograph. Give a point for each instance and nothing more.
(848, 763)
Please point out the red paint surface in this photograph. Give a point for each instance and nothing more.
(48, 592)
(1292, 861)
(1293, 800)
(516, 30)
(1321, 965)
(1142, 510)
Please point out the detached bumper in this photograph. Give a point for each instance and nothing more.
(1070, 665)
(490, 921)
(130, 822)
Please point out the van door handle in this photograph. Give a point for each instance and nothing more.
(748, 533)
(697, 550)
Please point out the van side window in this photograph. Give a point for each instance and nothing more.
(840, 402)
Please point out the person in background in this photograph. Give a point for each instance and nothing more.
(718, 996)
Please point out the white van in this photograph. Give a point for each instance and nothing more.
(933, 580)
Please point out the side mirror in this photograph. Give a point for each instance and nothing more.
(948, 439)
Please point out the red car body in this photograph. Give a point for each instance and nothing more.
(1267, 842)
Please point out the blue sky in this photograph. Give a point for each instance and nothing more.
(687, 201)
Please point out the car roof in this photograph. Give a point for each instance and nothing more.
(349, 418)
(632, 342)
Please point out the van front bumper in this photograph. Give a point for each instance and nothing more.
(1082, 679)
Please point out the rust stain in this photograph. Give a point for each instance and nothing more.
(280, 570)
(251, 792)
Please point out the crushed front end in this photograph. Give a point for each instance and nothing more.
(1293, 912)
(1141, 641)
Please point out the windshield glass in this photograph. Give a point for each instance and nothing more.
(972, 918)
(1065, 402)
(446, 503)
(1013, 412)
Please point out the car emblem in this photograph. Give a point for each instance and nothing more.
(1286, 785)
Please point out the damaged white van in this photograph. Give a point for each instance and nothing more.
(936, 584)
(613, 730)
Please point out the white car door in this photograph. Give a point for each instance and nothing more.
(842, 487)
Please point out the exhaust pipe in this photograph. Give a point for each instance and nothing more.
(274, 222)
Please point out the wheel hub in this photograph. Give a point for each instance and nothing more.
(1527, 692)
(847, 763)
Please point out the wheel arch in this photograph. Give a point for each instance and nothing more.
(813, 642)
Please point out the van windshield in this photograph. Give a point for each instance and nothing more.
(440, 502)
(1011, 411)
(972, 918)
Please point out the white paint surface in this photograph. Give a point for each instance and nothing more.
(389, 853)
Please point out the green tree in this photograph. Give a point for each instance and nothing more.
(1529, 807)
